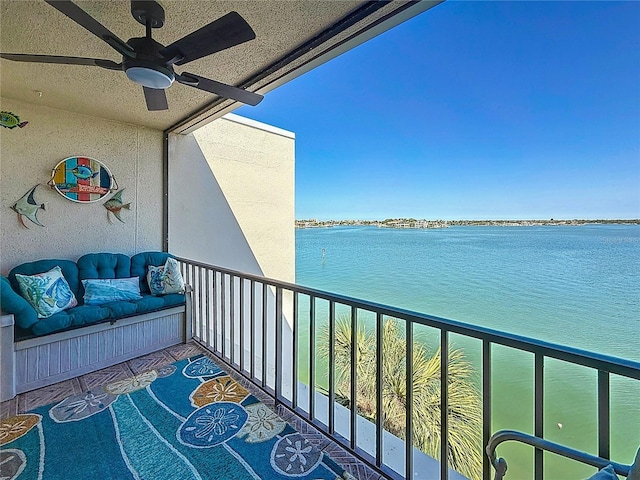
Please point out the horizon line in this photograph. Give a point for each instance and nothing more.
(575, 219)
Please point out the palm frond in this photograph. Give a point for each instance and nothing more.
(465, 409)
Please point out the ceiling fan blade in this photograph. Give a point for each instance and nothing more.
(221, 89)
(156, 99)
(223, 33)
(82, 18)
(96, 62)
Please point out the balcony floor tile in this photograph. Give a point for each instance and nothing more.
(9, 408)
(307, 430)
(184, 350)
(150, 361)
(105, 376)
(46, 395)
(350, 463)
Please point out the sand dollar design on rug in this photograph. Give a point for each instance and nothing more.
(202, 367)
(15, 427)
(212, 425)
(77, 407)
(128, 385)
(166, 371)
(221, 389)
(12, 463)
(262, 425)
(294, 456)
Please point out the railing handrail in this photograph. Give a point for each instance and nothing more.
(500, 464)
(618, 366)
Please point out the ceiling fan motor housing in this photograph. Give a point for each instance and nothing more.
(148, 11)
(148, 68)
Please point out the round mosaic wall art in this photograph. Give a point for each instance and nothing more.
(82, 179)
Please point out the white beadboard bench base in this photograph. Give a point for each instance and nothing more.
(42, 361)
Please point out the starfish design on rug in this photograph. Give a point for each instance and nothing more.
(262, 425)
(12, 463)
(165, 371)
(89, 400)
(15, 427)
(81, 406)
(218, 422)
(202, 367)
(293, 455)
(132, 384)
(298, 452)
(212, 424)
(221, 389)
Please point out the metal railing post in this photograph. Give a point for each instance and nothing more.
(444, 405)
(379, 388)
(539, 414)
(486, 404)
(409, 411)
(604, 411)
(354, 379)
(332, 365)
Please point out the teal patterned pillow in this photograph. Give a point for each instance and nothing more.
(607, 473)
(47, 292)
(166, 278)
(105, 290)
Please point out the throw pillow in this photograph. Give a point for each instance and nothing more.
(105, 290)
(634, 473)
(48, 292)
(166, 278)
(607, 473)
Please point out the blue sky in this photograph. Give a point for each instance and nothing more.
(473, 110)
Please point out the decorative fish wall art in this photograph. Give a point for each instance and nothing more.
(11, 120)
(28, 207)
(82, 179)
(114, 206)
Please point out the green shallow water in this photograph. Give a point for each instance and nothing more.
(570, 285)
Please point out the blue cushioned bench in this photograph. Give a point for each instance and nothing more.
(40, 351)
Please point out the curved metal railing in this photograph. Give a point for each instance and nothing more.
(500, 464)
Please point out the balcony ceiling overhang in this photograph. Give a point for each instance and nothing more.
(291, 38)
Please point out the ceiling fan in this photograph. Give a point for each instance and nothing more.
(149, 63)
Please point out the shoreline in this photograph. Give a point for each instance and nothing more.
(428, 224)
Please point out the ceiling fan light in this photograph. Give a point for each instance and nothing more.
(148, 77)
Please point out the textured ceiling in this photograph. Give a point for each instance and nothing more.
(281, 27)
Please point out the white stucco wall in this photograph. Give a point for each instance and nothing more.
(28, 155)
(231, 197)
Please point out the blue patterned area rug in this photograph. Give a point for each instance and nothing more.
(185, 421)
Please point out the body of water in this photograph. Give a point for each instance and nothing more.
(570, 285)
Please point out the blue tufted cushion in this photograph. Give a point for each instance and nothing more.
(69, 270)
(120, 309)
(173, 299)
(148, 303)
(74, 317)
(54, 323)
(104, 265)
(24, 314)
(140, 265)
